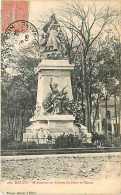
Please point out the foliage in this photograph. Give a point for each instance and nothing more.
(104, 141)
(108, 142)
(11, 144)
(15, 145)
(98, 139)
(6, 140)
(19, 84)
(116, 141)
(68, 141)
(83, 136)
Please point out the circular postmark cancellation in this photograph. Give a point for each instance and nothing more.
(22, 33)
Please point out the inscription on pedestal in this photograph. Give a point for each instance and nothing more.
(60, 127)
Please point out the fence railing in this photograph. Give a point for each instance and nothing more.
(40, 140)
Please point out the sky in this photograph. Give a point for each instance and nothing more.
(41, 9)
(44, 7)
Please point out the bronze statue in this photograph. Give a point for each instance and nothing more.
(58, 98)
(53, 43)
(43, 42)
(52, 39)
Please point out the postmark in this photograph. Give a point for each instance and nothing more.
(22, 33)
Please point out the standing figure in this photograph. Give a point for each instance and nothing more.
(43, 42)
(53, 43)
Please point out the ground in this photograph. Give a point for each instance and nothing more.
(69, 166)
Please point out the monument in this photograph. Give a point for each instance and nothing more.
(52, 116)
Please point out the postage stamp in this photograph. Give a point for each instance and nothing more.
(12, 11)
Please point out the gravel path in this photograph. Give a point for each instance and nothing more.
(84, 166)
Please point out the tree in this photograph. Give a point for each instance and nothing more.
(83, 20)
(18, 88)
(108, 68)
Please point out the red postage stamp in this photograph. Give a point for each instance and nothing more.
(13, 11)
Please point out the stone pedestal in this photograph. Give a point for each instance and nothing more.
(44, 124)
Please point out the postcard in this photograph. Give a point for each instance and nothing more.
(60, 97)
